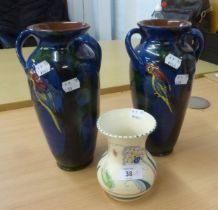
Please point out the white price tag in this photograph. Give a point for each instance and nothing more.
(216, 75)
(181, 79)
(130, 172)
(71, 85)
(136, 113)
(173, 61)
(42, 68)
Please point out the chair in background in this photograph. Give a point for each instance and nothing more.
(16, 15)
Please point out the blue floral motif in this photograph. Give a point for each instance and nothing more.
(132, 155)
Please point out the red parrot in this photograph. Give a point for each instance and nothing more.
(44, 96)
(160, 84)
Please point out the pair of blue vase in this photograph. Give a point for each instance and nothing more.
(63, 76)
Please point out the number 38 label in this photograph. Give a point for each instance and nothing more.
(130, 172)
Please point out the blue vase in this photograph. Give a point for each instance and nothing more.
(162, 70)
(63, 77)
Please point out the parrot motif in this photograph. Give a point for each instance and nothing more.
(160, 84)
(46, 97)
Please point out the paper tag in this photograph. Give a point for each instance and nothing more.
(181, 79)
(71, 85)
(216, 75)
(42, 68)
(173, 61)
(130, 172)
(136, 113)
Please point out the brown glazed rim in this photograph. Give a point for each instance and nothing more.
(58, 26)
(163, 23)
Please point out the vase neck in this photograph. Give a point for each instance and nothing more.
(58, 40)
(57, 33)
(163, 29)
(162, 34)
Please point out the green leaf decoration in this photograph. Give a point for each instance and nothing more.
(43, 54)
(107, 179)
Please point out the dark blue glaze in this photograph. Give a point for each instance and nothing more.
(68, 119)
(152, 81)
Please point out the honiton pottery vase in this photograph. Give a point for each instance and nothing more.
(126, 171)
(162, 70)
(63, 77)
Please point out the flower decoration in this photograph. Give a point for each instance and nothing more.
(132, 155)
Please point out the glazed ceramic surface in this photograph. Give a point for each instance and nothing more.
(63, 76)
(161, 73)
(126, 170)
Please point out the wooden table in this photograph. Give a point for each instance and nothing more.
(114, 74)
(187, 179)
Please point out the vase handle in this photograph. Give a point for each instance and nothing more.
(92, 43)
(24, 35)
(137, 61)
(198, 44)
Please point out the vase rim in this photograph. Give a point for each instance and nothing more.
(164, 23)
(125, 114)
(58, 26)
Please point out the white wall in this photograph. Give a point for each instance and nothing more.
(81, 11)
(129, 12)
(110, 19)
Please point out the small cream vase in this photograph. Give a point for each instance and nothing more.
(126, 171)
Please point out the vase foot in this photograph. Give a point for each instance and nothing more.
(161, 154)
(129, 199)
(123, 199)
(73, 168)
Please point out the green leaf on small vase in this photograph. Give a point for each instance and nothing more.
(107, 179)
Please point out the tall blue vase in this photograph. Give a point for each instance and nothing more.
(162, 70)
(63, 77)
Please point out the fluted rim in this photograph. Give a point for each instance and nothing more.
(146, 117)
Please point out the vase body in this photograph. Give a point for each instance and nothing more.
(162, 70)
(63, 77)
(126, 170)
